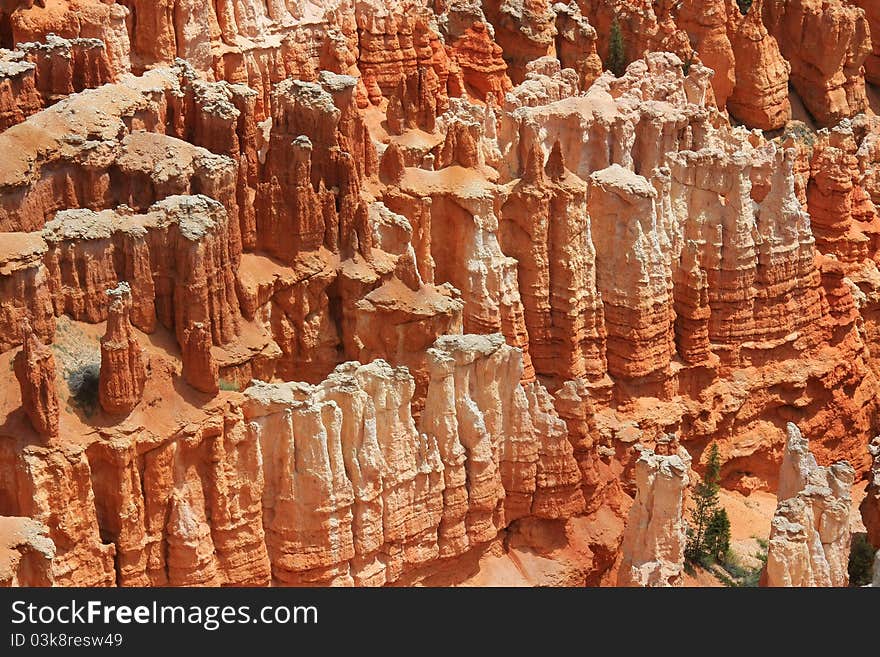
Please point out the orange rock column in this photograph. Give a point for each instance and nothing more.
(34, 368)
(122, 377)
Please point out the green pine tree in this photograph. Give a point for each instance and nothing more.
(708, 533)
(861, 561)
(616, 51)
(744, 6)
(718, 536)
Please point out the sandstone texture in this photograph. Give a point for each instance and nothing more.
(827, 44)
(372, 293)
(810, 534)
(123, 373)
(653, 545)
(872, 63)
(26, 553)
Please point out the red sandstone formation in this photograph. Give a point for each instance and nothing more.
(26, 553)
(705, 23)
(395, 41)
(23, 284)
(872, 63)
(576, 43)
(638, 310)
(123, 374)
(826, 43)
(79, 19)
(524, 29)
(199, 367)
(460, 309)
(34, 368)
(482, 66)
(546, 229)
(760, 95)
(645, 26)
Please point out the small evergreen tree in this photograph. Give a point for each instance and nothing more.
(686, 65)
(744, 6)
(616, 54)
(861, 561)
(718, 536)
(709, 529)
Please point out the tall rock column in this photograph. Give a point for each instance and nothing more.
(200, 370)
(872, 63)
(633, 272)
(576, 43)
(760, 96)
(546, 229)
(705, 22)
(123, 374)
(810, 533)
(654, 540)
(34, 368)
(826, 42)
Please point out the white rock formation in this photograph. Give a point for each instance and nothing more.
(654, 541)
(810, 532)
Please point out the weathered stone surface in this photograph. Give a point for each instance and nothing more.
(872, 63)
(382, 498)
(26, 553)
(760, 95)
(34, 368)
(483, 68)
(330, 182)
(23, 284)
(810, 533)
(706, 24)
(870, 507)
(576, 43)
(79, 19)
(827, 44)
(546, 228)
(653, 544)
(123, 372)
(199, 366)
(632, 272)
(177, 258)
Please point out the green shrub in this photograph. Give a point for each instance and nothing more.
(718, 536)
(735, 574)
(744, 6)
(223, 384)
(686, 66)
(83, 386)
(861, 561)
(616, 51)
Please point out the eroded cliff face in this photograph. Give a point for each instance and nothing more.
(389, 293)
(872, 63)
(827, 44)
(26, 553)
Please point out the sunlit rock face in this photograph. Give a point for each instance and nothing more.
(369, 293)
